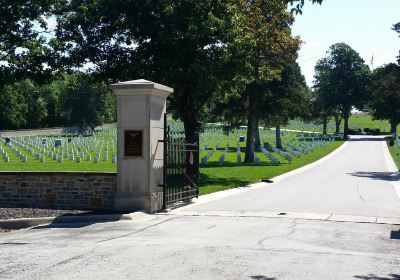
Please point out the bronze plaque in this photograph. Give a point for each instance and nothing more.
(133, 143)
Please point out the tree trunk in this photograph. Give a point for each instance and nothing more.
(257, 142)
(338, 121)
(325, 125)
(278, 136)
(346, 125)
(393, 127)
(251, 124)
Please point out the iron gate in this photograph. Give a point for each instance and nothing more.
(181, 169)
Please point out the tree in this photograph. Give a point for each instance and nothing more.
(24, 51)
(396, 28)
(385, 101)
(344, 78)
(84, 102)
(187, 45)
(287, 99)
(268, 27)
(22, 106)
(12, 108)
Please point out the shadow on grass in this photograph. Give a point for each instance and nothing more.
(375, 277)
(211, 181)
(383, 176)
(213, 164)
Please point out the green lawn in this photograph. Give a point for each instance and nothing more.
(355, 122)
(367, 122)
(395, 152)
(217, 178)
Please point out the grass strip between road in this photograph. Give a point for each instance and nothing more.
(216, 178)
(395, 152)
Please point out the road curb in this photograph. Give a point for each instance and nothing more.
(31, 222)
(323, 217)
(392, 167)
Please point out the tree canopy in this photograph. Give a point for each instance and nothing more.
(385, 101)
(24, 49)
(344, 78)
(396, 28)
(73, 100)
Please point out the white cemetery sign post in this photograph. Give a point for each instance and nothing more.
(140, 122)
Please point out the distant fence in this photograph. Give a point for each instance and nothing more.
(58, 190)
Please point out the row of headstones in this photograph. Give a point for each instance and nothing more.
(60, 154)
(38, 141)
(223, 155)
(305, 147)
(311, 146)
(282, 154)
(270, 156)
(4, 155)
(56, 143)
(18, 153)
(205, 158)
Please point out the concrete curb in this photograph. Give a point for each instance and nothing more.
(325, 217)
(31, 222)
(392, 167)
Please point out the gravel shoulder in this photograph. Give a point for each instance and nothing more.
(19, 213)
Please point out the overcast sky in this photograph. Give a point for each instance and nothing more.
(365, 25)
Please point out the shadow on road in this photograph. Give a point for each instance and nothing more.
(261, 277)
(395, 234)
(385, 176)
(82, 220)
(375, 277)
(364, 139)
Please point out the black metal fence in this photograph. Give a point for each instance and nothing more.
(181, 165)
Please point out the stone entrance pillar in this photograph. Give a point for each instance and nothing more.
(140, 122)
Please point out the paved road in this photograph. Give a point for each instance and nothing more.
(227, 239)
(180, 247)
(358, 180)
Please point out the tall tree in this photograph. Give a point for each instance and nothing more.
(344, 78)
(385, 101)
(186, 45)
(24, 52)
(84, 102)
(287, 99)
(396, 28)
(268, 23)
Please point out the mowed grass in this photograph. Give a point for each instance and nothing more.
(355, 122)
(367, 122)
(395, 152)
(215, 178)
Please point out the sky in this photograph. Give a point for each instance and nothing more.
(365, 25)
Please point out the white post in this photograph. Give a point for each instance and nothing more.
(140, 122)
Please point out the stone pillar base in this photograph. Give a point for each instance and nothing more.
(129, 202)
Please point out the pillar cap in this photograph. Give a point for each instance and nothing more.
(141, 86)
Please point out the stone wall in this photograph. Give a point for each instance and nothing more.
(58, 190)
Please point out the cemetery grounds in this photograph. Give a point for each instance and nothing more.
(355, 122)
(221, 154)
